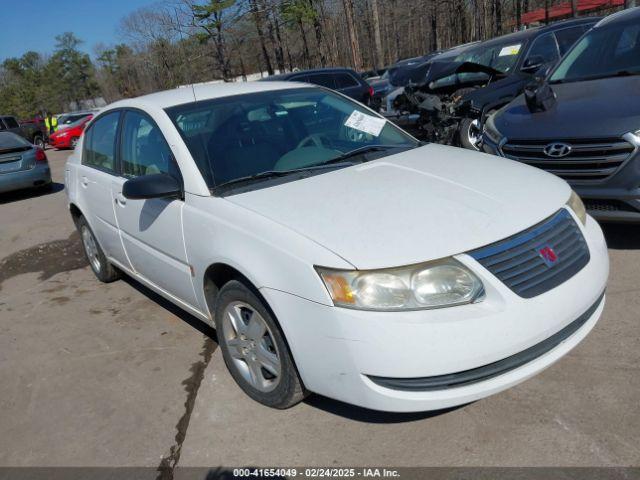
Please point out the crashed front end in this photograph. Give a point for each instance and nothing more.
(434, 109)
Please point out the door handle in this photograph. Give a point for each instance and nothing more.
(85, 181)
(120, 200)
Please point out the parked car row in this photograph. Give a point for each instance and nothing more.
(582, 122)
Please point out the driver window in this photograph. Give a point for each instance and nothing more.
(544, 48)
(144, 150)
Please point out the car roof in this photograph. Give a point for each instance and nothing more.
(524, 35)
(199, 92)
(284, 76)
(622, 16)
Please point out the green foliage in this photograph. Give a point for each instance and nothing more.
(31, 84)
(298, 11)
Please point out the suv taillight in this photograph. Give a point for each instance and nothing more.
(41, 157)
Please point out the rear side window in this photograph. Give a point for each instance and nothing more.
(344, 80)
(11, 122)
(100, 143)
(144, 149)
(567, 37)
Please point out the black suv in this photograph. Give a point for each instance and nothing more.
(343, 80)
(583, 122)
(459, 93)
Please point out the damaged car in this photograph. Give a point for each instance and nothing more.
(451, 105)
(583, 122)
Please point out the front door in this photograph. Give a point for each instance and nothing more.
(151, 230)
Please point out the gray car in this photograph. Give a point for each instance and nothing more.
(22, 165)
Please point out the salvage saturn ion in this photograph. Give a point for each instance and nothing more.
(332, 251)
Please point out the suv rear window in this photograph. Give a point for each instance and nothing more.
(11, 122)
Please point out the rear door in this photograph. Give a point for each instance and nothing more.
(151, 230)
(95, 175)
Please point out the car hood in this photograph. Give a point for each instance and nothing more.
(593, 109)
(418, 205)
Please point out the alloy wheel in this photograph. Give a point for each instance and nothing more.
(474, 134)
(91, 248)
(251, 346)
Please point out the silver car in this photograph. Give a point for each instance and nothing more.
(22, 165)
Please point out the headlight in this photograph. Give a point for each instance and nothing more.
(575, 204)
(490, 130)
(442, 283)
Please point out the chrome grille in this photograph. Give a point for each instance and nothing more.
(590, 160)
(518, 263)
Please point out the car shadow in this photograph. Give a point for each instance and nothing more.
(365, 415)
(186, 317)
(18, 195)
(621, 236)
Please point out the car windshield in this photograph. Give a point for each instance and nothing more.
(502, 56)
(280, 132)
(603, 52)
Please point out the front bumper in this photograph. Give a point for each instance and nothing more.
(37, 176)
(338, 351)
(616, 199)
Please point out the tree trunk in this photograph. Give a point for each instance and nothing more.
(434, 26)
(379, 59)
(518, 14)
(257, 18)
(574, 8)
(498, 10)
(305, 44)
(546, 12)
(274, 36)
(317, 28)
(356, 57)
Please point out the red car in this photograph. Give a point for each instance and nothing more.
(68, 136)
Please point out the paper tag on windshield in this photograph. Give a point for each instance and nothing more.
(365, 123)
(510, 50)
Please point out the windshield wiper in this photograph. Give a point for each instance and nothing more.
(337, 162)
(366, 149)
(268, 174)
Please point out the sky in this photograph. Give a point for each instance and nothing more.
(33, 24)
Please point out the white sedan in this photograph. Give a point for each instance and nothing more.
(332, 251)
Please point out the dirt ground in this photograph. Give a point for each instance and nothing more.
(104, 375)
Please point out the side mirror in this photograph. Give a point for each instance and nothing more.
(533, 64)
(158, 185)
(539, 96)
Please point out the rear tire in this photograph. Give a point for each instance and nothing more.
(74, 142)
(254, 349)
(101, 267)
(38, 141)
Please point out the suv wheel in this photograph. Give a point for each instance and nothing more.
(470, 133)
(254, 349)
(98, 262)
(38, 141)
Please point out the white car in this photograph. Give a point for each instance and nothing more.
(332, 251)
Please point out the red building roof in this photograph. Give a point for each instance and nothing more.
(563, 10)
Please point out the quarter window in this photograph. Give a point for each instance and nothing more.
(100, 142)
(11, 122)
(144, 149)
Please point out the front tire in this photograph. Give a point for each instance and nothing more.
(102, 268)
(254, 349)
(470, 133)
(74, 143)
